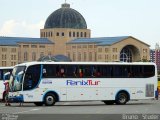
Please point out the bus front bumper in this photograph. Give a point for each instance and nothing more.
(16, 99)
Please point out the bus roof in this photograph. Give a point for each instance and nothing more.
(11, 67)
(88, 63)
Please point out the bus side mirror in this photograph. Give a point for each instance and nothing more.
(6, 76)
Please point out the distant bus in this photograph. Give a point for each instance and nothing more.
(112, 83)
(3, 71)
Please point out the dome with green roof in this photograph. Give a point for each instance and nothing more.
(65, 17)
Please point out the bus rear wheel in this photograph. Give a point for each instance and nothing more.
(50, 99)
(38, 103)
(122, 98)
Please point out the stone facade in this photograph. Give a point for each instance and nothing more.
(21, 51)
(32, 52)
(60, 36)
(108, 53)
(8, 55)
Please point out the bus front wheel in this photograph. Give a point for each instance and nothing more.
(50, 99)
(122, 98)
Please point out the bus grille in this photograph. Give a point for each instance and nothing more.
(149, 90)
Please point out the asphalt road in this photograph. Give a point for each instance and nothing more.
(82, 110)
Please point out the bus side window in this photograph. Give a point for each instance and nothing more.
(74, 71)
(44, 72)
(80, 73)
(126, 74)
(62, 72)
(98, 71)
(49, 71)
(93, 71)
(87, 71)
(129, 74)
(148, 71)
(57, 71)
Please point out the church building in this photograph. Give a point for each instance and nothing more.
(65, 33)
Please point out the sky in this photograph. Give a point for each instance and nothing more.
(105, 18)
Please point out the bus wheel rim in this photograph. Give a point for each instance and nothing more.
(122, 99)
(49, 100)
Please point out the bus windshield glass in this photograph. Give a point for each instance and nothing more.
(16, 78)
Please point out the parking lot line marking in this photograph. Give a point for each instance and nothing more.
(36, 109)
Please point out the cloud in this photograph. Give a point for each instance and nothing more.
(7, 27)
(21, 28)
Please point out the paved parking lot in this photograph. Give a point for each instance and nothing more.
(97, 108)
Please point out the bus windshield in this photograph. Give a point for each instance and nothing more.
(16, 78)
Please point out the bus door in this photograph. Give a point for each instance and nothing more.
(31, 81)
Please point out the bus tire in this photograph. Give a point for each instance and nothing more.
(50, 99)
(109, 102)
(38, 103)
(121, 98)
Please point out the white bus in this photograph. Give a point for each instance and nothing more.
(51, 82)
(3, 71)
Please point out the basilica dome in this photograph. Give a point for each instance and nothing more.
(65, 17)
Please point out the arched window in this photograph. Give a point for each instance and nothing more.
(85, 56)
(77, 34)
(33, 56)
(85, 34)
(48, 34)
(25, 56)
(95, 56)
(73, 34)
(126, 55)
(79, 56)
(62, 33)
(74, 57)
(81, 34)
(57, 33)
(19, 56)
(90, 56)
(51, 34)
(70, 34)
